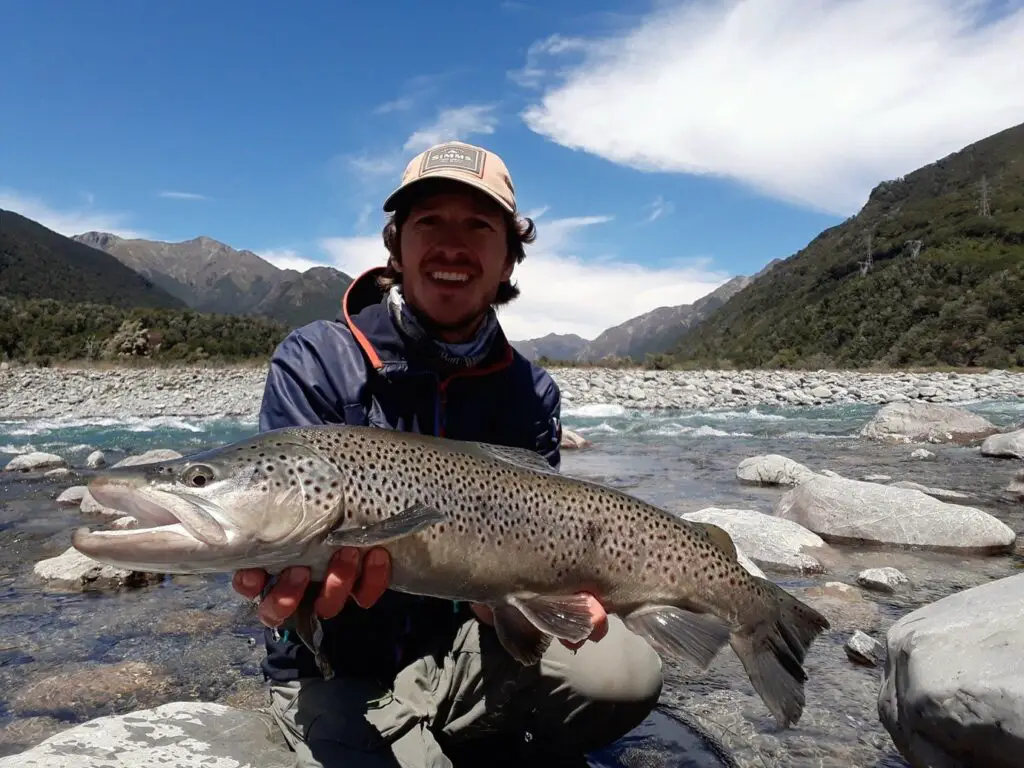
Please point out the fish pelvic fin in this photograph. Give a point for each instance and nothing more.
(566, 617)
(409, 521)
(676, 632)
(774, 658)
(523, 641)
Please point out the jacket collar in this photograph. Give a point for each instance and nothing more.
(366, 314)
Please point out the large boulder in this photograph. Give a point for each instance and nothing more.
(36, 461)
(767, 540)
(180, 734)
(839, 509)
(952, 694)
(1005, 445)
(918, 422)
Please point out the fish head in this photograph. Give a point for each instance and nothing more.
(259, 502)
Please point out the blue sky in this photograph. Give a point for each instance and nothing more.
(664, 146)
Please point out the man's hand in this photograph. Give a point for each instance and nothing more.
(598, 621)
(351, 573)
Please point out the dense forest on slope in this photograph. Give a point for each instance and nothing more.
(944, 284)
(45, 331)
(38, 263)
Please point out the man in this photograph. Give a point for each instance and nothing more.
(417, 347)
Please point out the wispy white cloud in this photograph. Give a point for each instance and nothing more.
(812, 103)
(69, 221)
(454, 124)
(658, 208)
(171, 195)
(289, 258)
(562, 291)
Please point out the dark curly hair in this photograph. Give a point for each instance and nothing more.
(521, 231)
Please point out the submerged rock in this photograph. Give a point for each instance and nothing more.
(35, 461)
(771, 469)
(73, 570)
(857, 511)
(953, 690)
(919, 422)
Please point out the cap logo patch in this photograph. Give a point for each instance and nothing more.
(454, 156)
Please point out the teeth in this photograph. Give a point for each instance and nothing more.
(458, 277)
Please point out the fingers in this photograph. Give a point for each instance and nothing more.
(284, 597)
(346, 577)
(249, 582)
(342, 573)
(375, 578)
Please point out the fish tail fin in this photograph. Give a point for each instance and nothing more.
(774, 658)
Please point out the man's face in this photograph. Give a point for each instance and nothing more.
(454, 256)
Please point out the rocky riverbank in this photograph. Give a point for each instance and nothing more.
(29, 392)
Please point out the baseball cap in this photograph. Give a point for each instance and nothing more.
(465, 163)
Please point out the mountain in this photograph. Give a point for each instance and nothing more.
(929, 272)
(38, 263)
(656, 331)
(651, 333)
(554, 346)
(210, 276)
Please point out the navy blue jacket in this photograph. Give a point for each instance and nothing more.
(358, 369)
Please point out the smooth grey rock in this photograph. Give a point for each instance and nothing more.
(35, 461)
(1016, 486)
(1005, 445)
(952, 693)
(72, 496)
(863, 649)
(176, 735)
(938, 493)
(771, 469)
(882, 579)
(852, 510)
(926, 423)
(922, 453)
(95, 460)
(156, 454)
(73, 570)
(767, 540)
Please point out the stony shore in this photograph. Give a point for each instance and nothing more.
(28, 392)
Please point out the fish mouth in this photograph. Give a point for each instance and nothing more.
(172, 528)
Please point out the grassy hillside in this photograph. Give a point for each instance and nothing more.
(46, 331)
(945, 283)
(38, 263)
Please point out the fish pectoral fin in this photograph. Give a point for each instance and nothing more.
(566, 617)
(405, 523)
(524, 642)
(676, 632)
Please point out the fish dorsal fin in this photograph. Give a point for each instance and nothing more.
(520, 457)
(721, 538)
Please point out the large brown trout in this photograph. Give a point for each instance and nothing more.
(462, 521)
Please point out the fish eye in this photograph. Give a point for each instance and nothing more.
(198, 475)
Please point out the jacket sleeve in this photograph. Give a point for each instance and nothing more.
(549, 426)
(299, 389)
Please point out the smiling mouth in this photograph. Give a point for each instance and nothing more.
(453, 278)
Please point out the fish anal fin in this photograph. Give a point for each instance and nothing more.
(567, 617)
(721, 538)
(523, 641)
(678, 633)
(405, 523)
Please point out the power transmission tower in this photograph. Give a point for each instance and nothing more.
(984, 208)
(865, 265)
